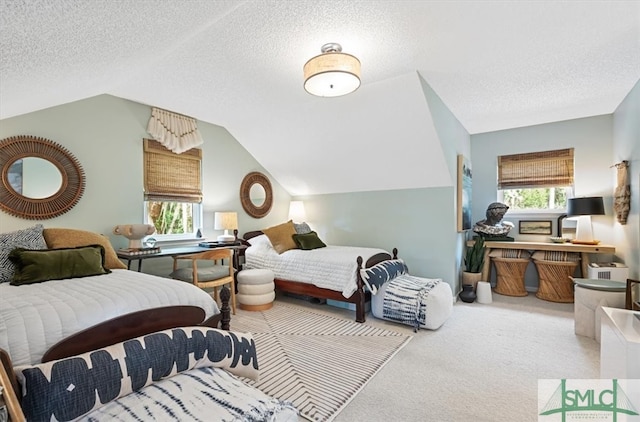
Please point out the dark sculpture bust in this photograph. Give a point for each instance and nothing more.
(493, 228)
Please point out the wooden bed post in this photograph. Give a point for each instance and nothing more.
(361, 297)
(225, 310)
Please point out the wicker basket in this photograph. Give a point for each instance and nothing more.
(510, 276)
(555, 280)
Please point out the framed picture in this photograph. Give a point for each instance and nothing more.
(542, 227)
(464, 193)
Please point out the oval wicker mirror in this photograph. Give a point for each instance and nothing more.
(256, 206)
(16, 176)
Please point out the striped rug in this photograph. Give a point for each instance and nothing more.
(316, 361)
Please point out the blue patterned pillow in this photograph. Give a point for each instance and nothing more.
(376, 276)
(29, 238)
(69, 388)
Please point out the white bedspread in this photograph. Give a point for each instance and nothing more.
(333, 267)
(34, 317)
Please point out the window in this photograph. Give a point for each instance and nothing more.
(172, 191)
(536, 181)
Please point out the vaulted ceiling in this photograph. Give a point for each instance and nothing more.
(495, 64)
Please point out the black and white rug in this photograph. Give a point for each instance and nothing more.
(316, 361)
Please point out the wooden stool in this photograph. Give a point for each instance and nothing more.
(510, 276)
(555, 280)
(256, 289)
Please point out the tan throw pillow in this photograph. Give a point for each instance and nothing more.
(281, 236)
(72, 238)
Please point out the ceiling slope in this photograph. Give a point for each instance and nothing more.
(238, 64)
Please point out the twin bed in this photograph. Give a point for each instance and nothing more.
(103, 327)
(330, 272)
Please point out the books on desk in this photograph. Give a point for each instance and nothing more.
(139, 251)
(215, 244)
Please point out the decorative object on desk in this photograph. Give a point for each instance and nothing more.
(584, 208)
(140, 251)
(467, 294)
(134, 232)
(464, 193)
(297, 212)
(622, 194)
(150, 242)
(484, 292)
(493, 228)
(542, 227)
(474, 260)
(226, 221)
(559, 239)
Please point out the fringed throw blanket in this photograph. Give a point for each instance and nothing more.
(405, 299)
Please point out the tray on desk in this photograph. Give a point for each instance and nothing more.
(214, 244)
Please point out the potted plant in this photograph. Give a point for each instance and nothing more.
(474, 261)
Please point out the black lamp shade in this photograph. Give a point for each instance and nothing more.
(592, 205)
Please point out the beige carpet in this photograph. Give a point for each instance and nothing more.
(319, 362)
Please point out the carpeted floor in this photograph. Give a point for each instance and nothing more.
(318, 362)
(483, 364)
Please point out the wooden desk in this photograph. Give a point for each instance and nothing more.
(181, 250)
(584, 251)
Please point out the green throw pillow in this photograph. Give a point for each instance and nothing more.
(308, 241)
(35, 266)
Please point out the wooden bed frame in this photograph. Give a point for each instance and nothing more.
(114, 331)
(359, 298)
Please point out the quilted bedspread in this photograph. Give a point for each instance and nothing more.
(333, 267)
(34, 317)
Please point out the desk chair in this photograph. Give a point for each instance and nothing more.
(631, 302)
(215, 275)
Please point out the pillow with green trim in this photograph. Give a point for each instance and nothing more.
(308, 241)
(36, 266)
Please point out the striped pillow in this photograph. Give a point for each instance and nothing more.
(30, 238)
(556, 256)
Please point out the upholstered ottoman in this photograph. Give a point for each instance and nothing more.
(255, 289)
(439, 305)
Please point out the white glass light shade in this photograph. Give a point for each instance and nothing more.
(226, 221)
(332, 74)
(296, 212)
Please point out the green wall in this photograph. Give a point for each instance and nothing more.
(105, 134)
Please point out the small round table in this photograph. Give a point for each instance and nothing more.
(590, 295)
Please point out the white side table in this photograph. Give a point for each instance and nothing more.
(589, 296)
(620, 344)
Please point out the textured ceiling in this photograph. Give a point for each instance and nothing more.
(495, 64)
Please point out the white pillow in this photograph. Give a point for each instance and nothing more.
(261, 240)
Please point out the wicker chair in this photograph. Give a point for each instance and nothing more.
(511, 265)
(554, 275)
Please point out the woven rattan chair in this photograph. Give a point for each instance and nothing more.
(213, 276)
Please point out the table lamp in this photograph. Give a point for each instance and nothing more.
(226, 221)
(584, 208)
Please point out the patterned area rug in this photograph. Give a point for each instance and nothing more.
(316, 361)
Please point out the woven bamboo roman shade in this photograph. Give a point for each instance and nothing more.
(172, 177)
(536, 169)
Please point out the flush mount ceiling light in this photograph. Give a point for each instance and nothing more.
(332, 73)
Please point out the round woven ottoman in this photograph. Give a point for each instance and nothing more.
(255, 289)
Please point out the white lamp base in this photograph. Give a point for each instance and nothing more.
(226, 237)
(584, 230)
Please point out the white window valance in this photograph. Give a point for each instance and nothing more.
(175, 132)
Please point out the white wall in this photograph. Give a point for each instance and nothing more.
(626, 146)
(592, 139)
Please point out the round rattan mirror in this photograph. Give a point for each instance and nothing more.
(17, 154)
(256, 194)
